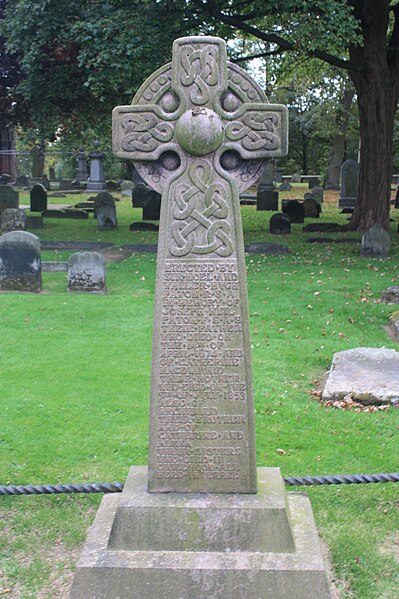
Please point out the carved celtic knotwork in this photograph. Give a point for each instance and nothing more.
(256, 131)
(144, 132)
(199, 71)
(200, 211)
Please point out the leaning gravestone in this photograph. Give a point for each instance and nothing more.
(198, 130)
(86, 272)
(20, 265)
(38, 198)
(9, 198)
(349, 184)
(105, 211)
(13, 219)
(311, 208)
(375, 242)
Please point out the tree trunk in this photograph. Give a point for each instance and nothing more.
(338, 146)
(377, 88)
(377, 108)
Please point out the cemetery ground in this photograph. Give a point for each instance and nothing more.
(75, 394)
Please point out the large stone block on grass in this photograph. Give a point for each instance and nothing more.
(203, 553)
(368, 375)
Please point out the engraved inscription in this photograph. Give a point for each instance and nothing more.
(202, 413)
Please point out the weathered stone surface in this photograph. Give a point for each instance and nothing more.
(54, 266)
(393, 325)
(375, 242)
(38, 198)
(105, 211)
(9, 198)
(200, 239)
(349, 184)
(390, 295)
(368, 375)
(86, 272)
(166, 570)
(273, 249)
(280, 224)
(20, 266)
(126, 189)
(13, 219)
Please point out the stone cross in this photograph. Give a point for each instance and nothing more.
(199, 131)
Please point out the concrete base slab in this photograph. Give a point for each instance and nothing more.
(163, 570)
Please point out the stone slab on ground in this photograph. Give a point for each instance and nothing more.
(163, 570)
(266, 248)
(368, 375)
(390, 295)
(331, 240)
(324, 228)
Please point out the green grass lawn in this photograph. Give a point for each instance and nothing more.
(75, 396)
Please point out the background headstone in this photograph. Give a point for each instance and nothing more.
(311, 208)
(126, 189)
(38, 198)
(20, 264)
(13, 219)
(9, 198)
(51, 173)
(393, 328)
(86, 272)
(349, 184)
(96, 181)
(6, 178)
(295, 178)
(81, 166)
(280, 224)
(316, 194)
(152, 206)
(295, 211)
(105, 211)
(22, 181)
(285, 186)
(375, 242)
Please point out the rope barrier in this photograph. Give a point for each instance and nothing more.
(338, 479)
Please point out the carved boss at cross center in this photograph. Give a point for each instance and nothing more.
(206, 126)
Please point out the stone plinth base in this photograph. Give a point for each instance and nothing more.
(202, 546)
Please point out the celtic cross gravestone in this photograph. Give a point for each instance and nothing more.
(198, 131)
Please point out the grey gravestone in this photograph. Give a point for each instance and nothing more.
(349, 184)
(36, 156)
(311, 208)
(46, 182)
(375, 242)
(38, 198)
(295, 211)
(105, 211)
(20, 266)
(86, 272)
(316, 194)
(368, 375)
(81, 165)
(96, 181)
(126, 189)
(51, 173)
(390, 295)
(266, 199)
(13, 219)
(280, 224)
(295, 178)
(9, 198)
(192, 129)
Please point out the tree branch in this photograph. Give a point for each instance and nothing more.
(283, 44)
(252, 56)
